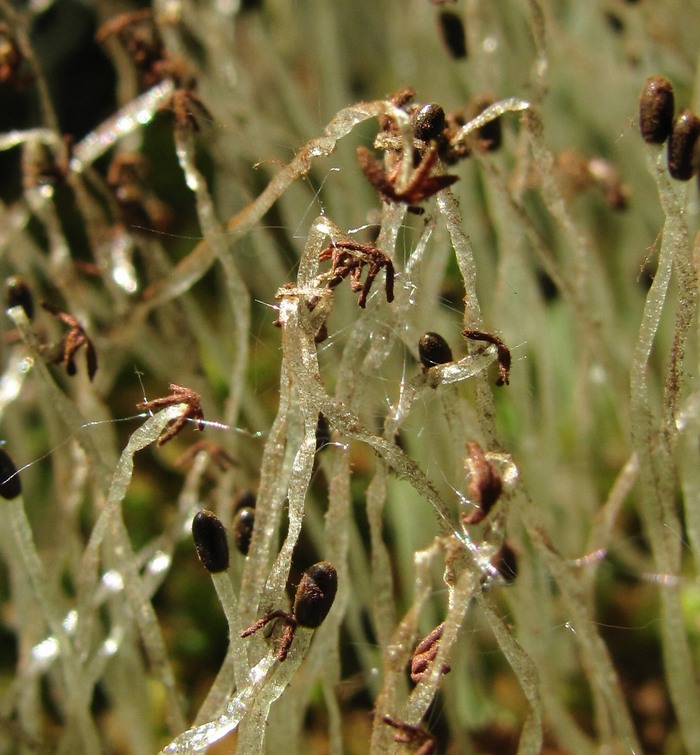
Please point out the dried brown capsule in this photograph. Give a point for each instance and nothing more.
(420, 186)
(656, 110)
(418, 739)
(312, 602)
(425, 653)
(74, 339)
(681, 146)
(452, 32)
(179, 395)
(429, 122)
(140, 37)
(502, 353)
(348, 259)
(18, 294)
(242, 527)
(10, 485)
(433, 349)
(210, 541)
(485, 484)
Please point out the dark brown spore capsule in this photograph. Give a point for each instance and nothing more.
(245, 500)
(681, 145)
(506, 561)
(490, 136)
(323, 433)
(210, 541)
(315, 594)
(425, 654)
(429, 122)
(615, 23)
(243, 524)
(18, 294)
(485, 485)
(656, 110)
(10, 485)
(433, 349)
(452, 31)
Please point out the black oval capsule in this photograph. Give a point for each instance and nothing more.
(452, 32)
(315, 594)
(429, 122)
(18, 294)
(10, 485)
(433, 349)
(246, 500)
(656, 110)
(242, 527)
(323, 433)
(210, 541)
(506, 561)
(681, 145)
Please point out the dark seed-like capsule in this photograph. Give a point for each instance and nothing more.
(246, 500)
(429, 122)
(656, 110)
(323, 433)
(243, 524)
(433, 349)
(681, 145)
(17, 294)
(315, 594)
(452, 31)
(425, 653)
(490, 135)
(615, 23)
(10, 485)
(485, 485)
(210, 541)
(506, 561)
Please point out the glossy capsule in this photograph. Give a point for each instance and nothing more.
(315, 594)
(323, 433)
(210, 540)
(681, 146)
(485, 485)
(246, 500)
(506, 561)
(452, 32)
(242, 527)
(656, 110)
(10, 485)
(433, 349)
(429, 122)
(18, 294)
